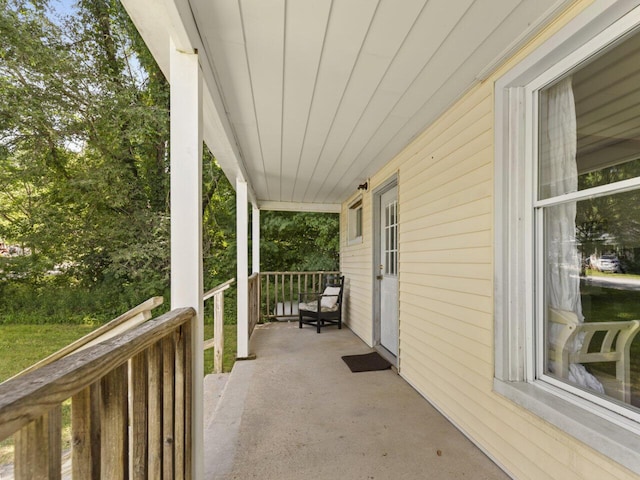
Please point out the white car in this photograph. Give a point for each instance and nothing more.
(608, 263)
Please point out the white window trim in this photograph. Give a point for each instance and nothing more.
(515, 336)
(352, 217)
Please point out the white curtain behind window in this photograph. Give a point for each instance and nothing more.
(559, 174)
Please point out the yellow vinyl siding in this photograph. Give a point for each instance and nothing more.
(472, 271)
(463, 321)
(449, 298)
(470, 196)
(446, 299)
(355, 260)
(452, 214)
(445, 192)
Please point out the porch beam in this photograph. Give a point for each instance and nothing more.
(301, 207)
(242, 252)
(255, 239)
(186, 220)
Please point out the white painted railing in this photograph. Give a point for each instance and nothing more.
(280, 290)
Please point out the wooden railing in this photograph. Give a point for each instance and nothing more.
(280, 290)
(217, 342)
(254, 301)
(135, 316)
(130, 402)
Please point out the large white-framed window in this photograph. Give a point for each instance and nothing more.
(567, 232)
(584, 156)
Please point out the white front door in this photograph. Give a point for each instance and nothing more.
(388, 270)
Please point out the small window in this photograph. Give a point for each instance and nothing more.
(355, 222)
(391, 239)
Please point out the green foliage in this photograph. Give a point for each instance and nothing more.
(611, 223)
(219, 224)
(53, 300)
(84, 173)
(84, 169)
(299, 241)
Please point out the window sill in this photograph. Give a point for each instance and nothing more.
(354, 241)
(604, 435)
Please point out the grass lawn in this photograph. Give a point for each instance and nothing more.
(24, 345)
(596, 273)
(229, 354)
(601, 304)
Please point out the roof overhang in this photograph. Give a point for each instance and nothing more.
(306, 100)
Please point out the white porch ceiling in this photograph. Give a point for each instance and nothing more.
(307, 99)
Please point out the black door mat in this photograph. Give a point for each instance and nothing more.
(366, 363)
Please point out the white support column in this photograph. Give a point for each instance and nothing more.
(255, 239)
(242, 242)
(186, 219)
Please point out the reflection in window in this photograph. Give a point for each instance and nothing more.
(589, 136)
(603, 129)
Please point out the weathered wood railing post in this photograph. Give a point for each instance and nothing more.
(114, 421)
(85, 428)
(38, 447)
(155, 411)
(218, 332)
(218, 323)
(156, 360)
(254, 301)
(139, 414)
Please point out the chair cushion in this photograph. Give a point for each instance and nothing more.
(329, 297)
(313, 307)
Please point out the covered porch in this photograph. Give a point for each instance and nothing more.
(297, 411)
(302, 106)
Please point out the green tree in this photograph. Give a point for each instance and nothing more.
(84, 162)
(610, 223)
(299, 241)
(219, 224)
(83, 157)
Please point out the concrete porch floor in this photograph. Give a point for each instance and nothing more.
(297, 412)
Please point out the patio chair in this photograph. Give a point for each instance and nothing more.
(597, 342)
(321, 309)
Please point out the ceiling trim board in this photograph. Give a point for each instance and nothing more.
(300, 207)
